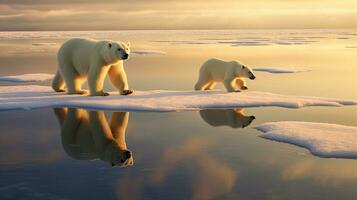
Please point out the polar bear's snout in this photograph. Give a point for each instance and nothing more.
(125, 56)
(127, 154)
(251, 76)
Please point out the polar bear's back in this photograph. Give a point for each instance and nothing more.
(216, 68)
(76, 53)
(76, 45)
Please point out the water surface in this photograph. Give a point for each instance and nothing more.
(68, 153)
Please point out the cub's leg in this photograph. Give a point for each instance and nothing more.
(118, 78)
(240, 83)
(58, 84)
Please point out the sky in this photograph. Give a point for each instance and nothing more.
(176, 14)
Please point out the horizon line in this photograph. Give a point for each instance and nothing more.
(49, 30)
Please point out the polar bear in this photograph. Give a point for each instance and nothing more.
(87, 135)
(231, 73)
(86, 59)
(234, 118)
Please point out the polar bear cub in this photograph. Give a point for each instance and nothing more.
(85, 59)
(230, 73)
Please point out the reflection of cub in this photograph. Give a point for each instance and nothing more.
(234, 118)
(86, 135)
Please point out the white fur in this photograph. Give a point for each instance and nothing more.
(81, 59)
(230, 73)
(234, 118)
(87, 135)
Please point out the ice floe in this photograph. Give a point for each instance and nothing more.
(39, 77)
(280, 70)
(35, 96)
(26, 78)
(322, 139)
(148, 52)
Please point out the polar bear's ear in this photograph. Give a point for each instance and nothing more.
(243, 66)
(110, 45)
(128, 44)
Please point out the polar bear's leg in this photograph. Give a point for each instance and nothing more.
(71, 78)
(118, 78)
(210, 86)
(202, 82)
(96, 78)
(229, 84)
(118, 124)
(61, 114)
(240, 83)
(58, 83)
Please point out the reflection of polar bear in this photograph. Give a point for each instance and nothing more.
(81, 59)
(87, 135)
(234, 118)
(230, 73)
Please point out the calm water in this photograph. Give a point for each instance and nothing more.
(68, 153)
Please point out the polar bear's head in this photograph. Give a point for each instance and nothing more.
(116, 51)
(244, 71)
(120, 157)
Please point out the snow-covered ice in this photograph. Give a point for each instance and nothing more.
(322, 139)
(39, 77)
(35, 96)
(280, 70)
(25, 78)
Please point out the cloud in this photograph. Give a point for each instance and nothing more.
(159, 14)
(323, 171)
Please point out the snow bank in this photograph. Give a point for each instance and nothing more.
(325, 140)
(280, 70)
(34, 96)
(25, 78)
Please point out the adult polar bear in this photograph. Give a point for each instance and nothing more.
(231, 73)
(81, 59)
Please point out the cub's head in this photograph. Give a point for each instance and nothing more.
(118, 50)
(245, 72)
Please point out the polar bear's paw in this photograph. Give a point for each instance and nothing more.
(101, 93)
(79, 92)
(60, 90)
(127, 92)
(244, 88)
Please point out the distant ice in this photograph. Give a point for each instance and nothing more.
(148, 52)
(245, 43)
(44, 44)
(322, 139)
(180, 42)
(241, 41)
(34, 96)
(25, 78)
(280, 70)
